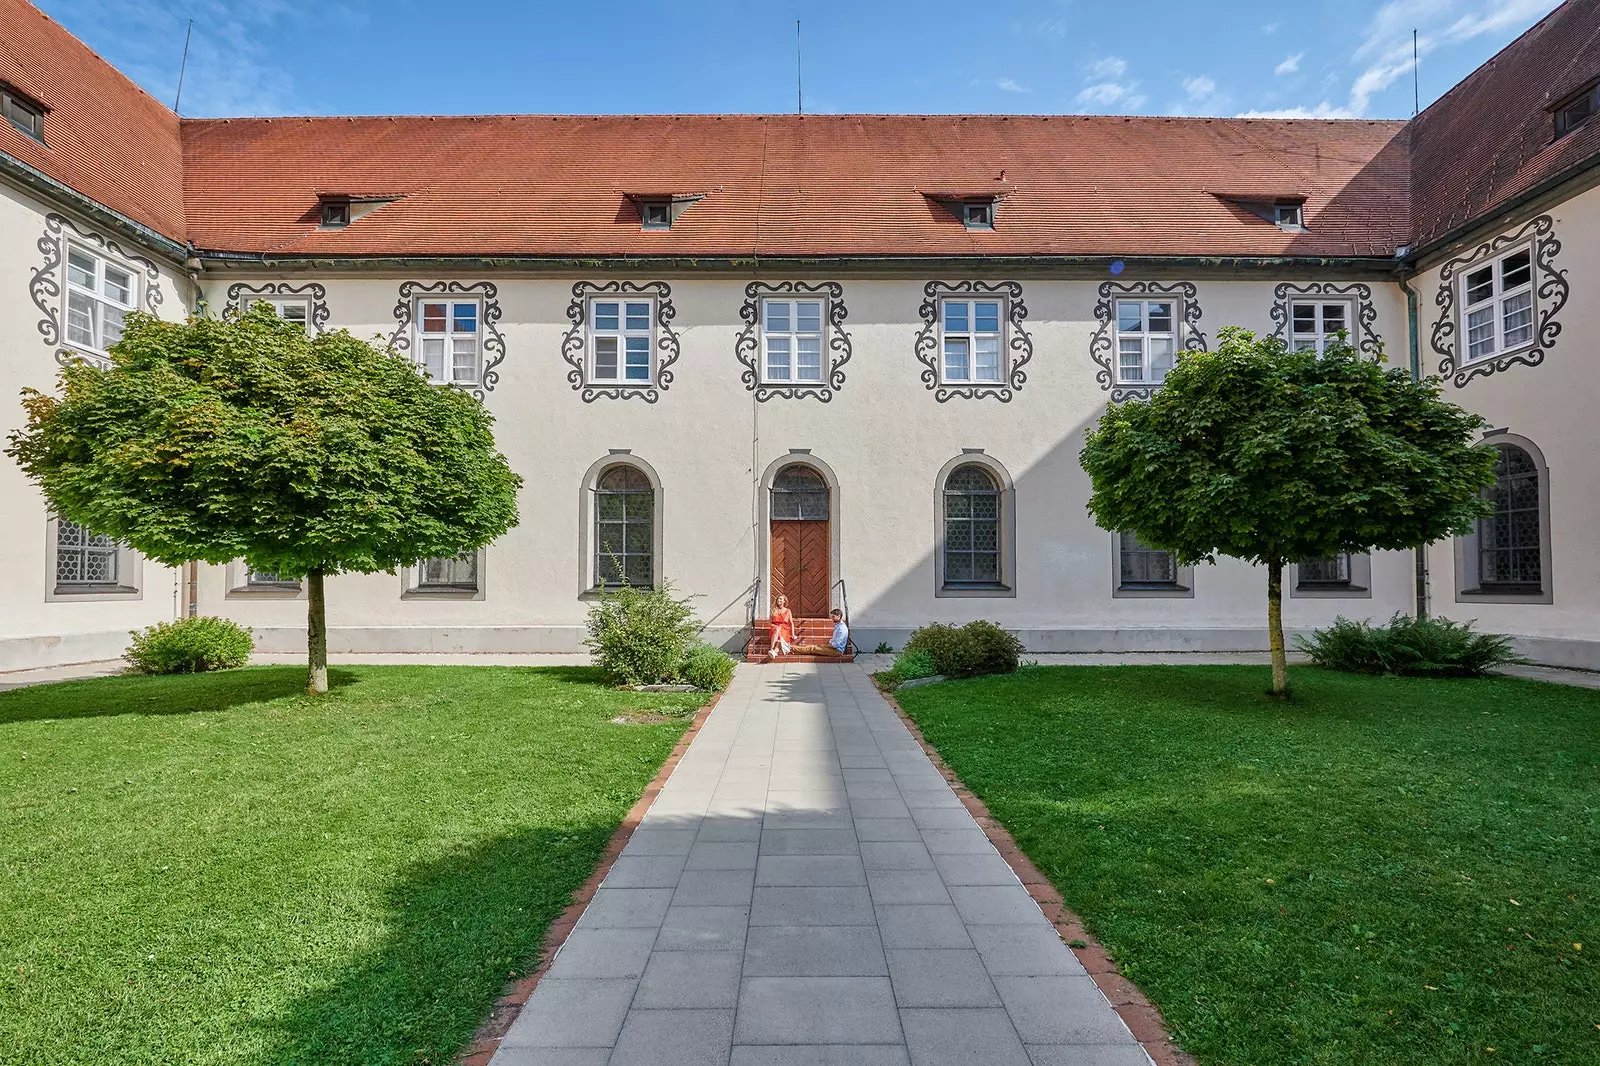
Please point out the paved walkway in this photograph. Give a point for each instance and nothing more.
(808, 891)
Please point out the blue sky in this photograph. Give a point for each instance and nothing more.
(1333, 58)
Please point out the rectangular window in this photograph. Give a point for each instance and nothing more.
(25, 115)
(457, 574)
(99, 296)
(792, 340)
(972, 340)
(1144, 567)
(1328, 571)
(266, 579)
(621, 339)
(1147, 339)
(1497, 299)
(84, 560)
(1315, 325)
(1572, 113)
(292, 309)
(449, 344)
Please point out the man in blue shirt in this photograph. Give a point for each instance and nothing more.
(838, 644)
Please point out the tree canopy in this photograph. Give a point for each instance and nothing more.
(1272, 456)
(246, 438)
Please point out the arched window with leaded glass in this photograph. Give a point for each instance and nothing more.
(624, 528)
(1510, 541)
(799, 494)
(972, 506)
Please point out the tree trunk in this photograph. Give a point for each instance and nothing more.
(316, 636)
(1280, 662)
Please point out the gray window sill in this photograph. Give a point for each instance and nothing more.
(1330, 591)
(443, 592)
(1153, 592)
(89, 592)
(975, 591)
(1491, 595)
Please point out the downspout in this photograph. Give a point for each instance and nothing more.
(1416, 375)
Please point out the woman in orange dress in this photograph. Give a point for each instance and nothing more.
(780, 630)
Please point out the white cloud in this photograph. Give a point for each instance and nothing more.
(1104, 93)
(1290, 65)
(1270, 28)
(1010, 85)
(1384, 55)
(1199, 87)
(1108, 68)
(1322, 110)
(229, 72)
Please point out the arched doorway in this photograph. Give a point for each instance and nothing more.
(801, 543)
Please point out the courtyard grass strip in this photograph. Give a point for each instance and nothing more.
(1384, 871)
(218, 869)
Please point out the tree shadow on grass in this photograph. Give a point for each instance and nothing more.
(177, 694)
(460, 927)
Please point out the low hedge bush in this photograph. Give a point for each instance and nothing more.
(1411, 647)
(973, 650)
(189, 646)
(707, 667)
(641, 636)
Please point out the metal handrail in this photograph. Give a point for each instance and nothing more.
(844, 605)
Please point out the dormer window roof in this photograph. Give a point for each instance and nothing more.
(1286, 210)
(22, 111)
(337, 209)
(1576, 109)
(974, 210)
(659, 210)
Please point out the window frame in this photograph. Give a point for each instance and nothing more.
(1468, 557)
(1181, 586)
(334, 214)
(129, 583)
(622, 333)
(1289, 215)
(242, 583)
(971, 334)
(99, 301)
(793, 335)
(1495, 264)
(280, 302)
(13, 102)
(417, 586)
(1561, 124)
(591, 523)
(1357, 587)
(1175, 335)
(662, 222)
(978, 214)
(1318, 341)
(418, 321)
(1006, 587)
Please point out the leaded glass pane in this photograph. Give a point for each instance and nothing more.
(624, 528)
(1141, 565)
(971, 527)
(1509, 548)
(799, 494)
(84, 558)
(1327, 570)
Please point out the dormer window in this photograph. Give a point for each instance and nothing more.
(335, 214)
(22, 111)
(1289, 216)
(655, 214)
(978, 214)
(1577, 109)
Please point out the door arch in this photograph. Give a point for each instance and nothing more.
(800, 535)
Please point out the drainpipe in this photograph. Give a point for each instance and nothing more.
(1416, 375)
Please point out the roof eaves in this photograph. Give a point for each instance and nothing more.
(70, 198)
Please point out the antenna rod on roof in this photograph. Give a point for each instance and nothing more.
(183, 66)
(799, 93)
(1416, 83)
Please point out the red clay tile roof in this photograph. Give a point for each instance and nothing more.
(783, 185)
(104, 136)
(1489, 139)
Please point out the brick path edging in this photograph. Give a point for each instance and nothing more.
(505, 1010)
(1138, 1013)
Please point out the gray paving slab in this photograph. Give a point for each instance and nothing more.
(807, 890)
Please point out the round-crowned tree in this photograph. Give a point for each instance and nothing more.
(305, 456)
(1272, 455)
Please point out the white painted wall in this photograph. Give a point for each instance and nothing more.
(34, 631)
(1553, 405)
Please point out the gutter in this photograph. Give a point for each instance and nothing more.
(40, 182)
(1383, 266)
(1414, 343)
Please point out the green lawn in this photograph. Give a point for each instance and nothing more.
(1385, 871)
(218, 869)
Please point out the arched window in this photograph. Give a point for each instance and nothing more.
(799, 494)
(971, 527)
(1510, 540)
(624, 528)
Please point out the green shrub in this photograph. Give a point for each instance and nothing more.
(640, 636)
(707, 667)
(1411, 647)
(189, 646)
(973, 650)
(914, 664)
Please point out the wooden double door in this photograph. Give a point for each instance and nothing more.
(800, 566)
